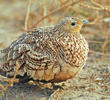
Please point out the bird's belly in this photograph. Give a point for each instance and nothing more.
(59, 77)
(67, 71)
(56, 74)
(63, 76)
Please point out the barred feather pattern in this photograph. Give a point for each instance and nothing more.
(47, 53)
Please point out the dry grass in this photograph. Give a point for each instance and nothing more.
(25, 15)
(40, 13)
(10, 81)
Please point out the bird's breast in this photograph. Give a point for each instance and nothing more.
(75, 49)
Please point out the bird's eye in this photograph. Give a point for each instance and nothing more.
(73, 23)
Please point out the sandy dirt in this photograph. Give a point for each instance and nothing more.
(92, 83)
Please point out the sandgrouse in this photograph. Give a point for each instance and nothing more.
(47, 54)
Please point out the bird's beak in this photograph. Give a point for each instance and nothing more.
(85, 21)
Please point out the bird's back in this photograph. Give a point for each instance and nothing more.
(29, 50)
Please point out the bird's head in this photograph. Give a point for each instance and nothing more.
(72, 24)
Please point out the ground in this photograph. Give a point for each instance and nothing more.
(91, 83)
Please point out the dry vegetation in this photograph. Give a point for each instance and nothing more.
(93, 82)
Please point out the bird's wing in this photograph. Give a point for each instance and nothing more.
(33, 51)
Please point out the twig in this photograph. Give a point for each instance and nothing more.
(16, 72)
(11, 81)
(99, 53)
(98, 18)
(97, 42)
(63, 2)
(44, 10)
(54, 11)
(27, 24)
(97, 4)
(105, 43)
(96, 8)
(22, 96)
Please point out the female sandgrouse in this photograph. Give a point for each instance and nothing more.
(47, 54)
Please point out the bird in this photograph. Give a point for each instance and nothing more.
(50, 54)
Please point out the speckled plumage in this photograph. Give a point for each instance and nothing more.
(50, 54)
